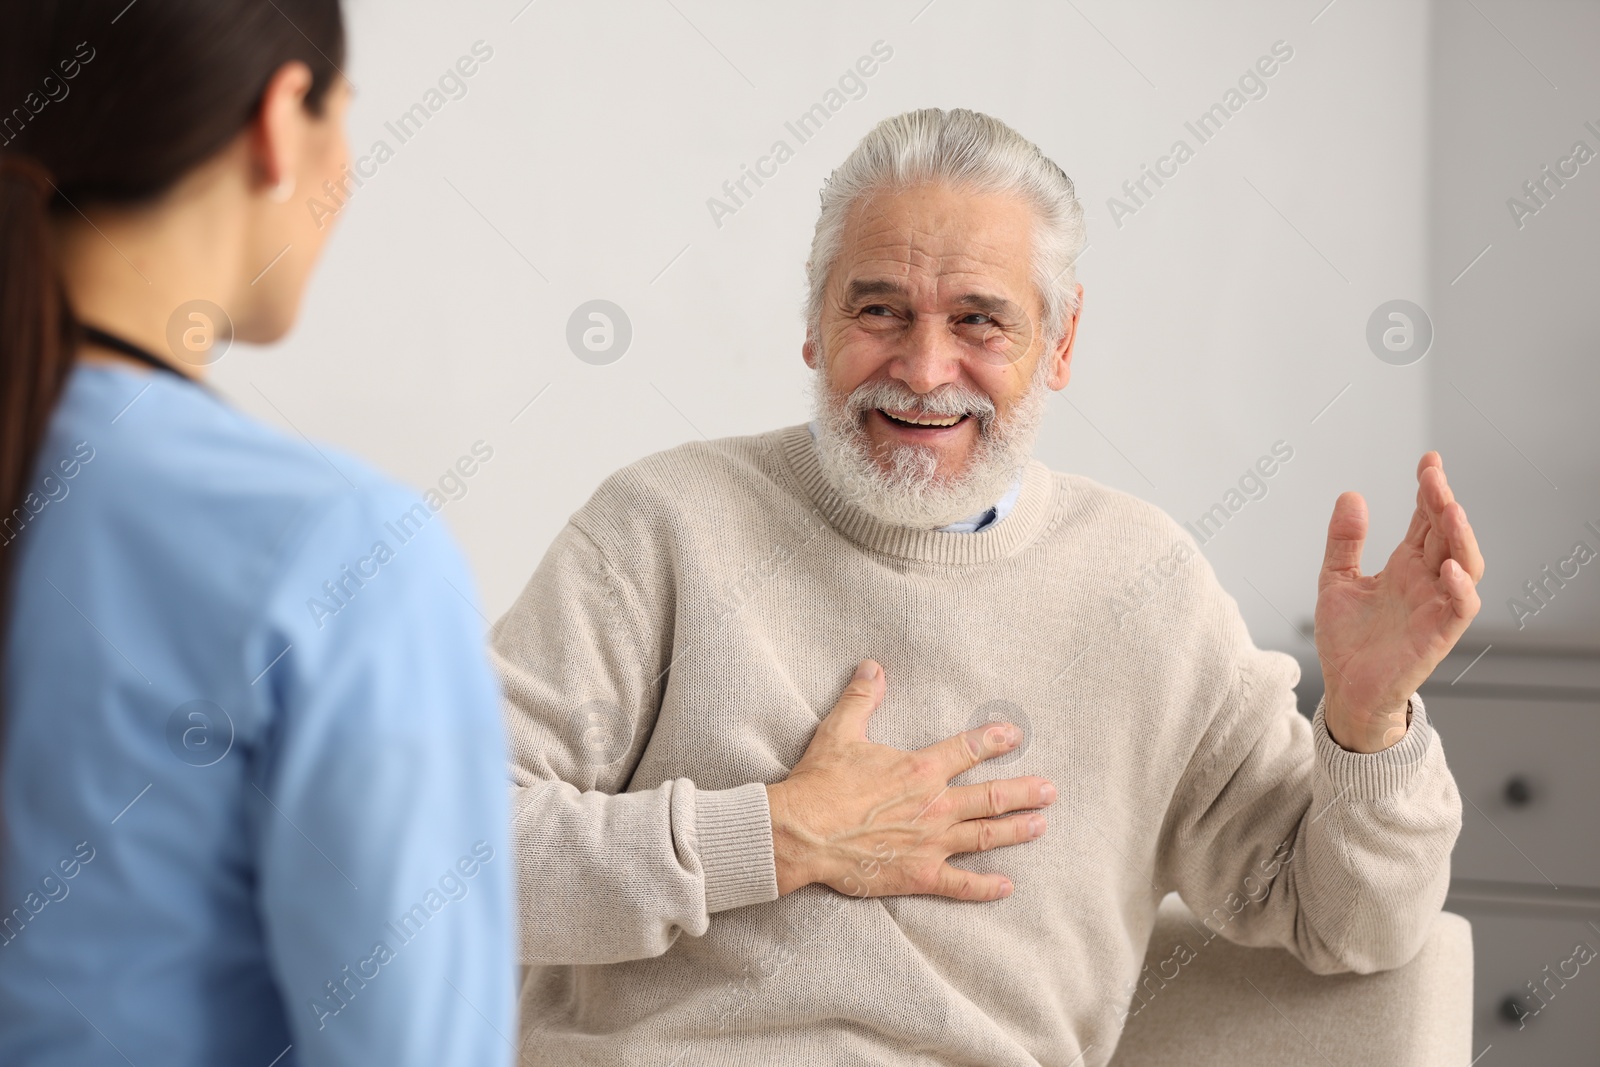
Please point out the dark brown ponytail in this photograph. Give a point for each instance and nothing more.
(35, 329)
(111, 102)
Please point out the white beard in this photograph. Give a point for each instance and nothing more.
(911, 492)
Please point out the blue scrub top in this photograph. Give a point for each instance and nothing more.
(253, 785)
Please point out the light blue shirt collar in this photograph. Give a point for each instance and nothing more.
(974, 523)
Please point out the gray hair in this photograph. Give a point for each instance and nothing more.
(968, 149)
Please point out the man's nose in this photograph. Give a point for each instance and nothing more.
(930, 357)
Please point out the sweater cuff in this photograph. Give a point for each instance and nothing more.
(733, 832)
(1373, 775)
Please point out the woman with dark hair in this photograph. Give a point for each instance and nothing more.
(253, 784)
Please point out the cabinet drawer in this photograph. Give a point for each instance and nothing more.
(1529, 776)
(1501, 667)
(1510, 951)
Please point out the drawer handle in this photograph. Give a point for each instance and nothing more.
(1518, 792)
(1511, 1009)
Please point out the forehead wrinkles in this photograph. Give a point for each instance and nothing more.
(927, 245)
(879, 247)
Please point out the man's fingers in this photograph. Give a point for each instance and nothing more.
(980, 835)
(860, 699)
(1429, 499)
(999, 797)
(1417, 532)
(1347, 533)
(964, 751)
(969, 885)
(1463, 542)
(1449, 518)
(1434, 498)
(1429, 459)
(1463, 593)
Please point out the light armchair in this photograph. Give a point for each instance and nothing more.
(1233, 1006)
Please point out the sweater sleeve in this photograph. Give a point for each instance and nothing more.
(1277, 836)
(606, 875)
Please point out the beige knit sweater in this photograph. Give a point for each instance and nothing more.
(673, 652)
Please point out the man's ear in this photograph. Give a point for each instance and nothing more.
(1061, 355)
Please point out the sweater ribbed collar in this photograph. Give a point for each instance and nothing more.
(1005, 538)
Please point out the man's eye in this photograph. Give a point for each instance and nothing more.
(876, 309)
(977, 318)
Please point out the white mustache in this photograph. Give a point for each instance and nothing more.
(949, 399)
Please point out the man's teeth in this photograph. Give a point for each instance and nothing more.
(927, 420)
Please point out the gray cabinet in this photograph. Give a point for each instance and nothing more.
(1521, 732)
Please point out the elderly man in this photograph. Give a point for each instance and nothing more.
(709, 875)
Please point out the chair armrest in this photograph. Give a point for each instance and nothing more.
(1233, 1006)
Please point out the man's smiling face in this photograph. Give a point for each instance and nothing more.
(931, 342)
(933, 289)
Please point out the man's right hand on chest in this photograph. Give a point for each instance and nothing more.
(870, 820)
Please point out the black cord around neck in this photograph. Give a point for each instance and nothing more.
(131, 350)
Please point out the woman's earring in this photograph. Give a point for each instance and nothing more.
(281, 192)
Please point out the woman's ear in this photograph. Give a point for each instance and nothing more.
(278, 132)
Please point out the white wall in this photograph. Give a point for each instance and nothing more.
(1517, 373)
(1221, 317)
